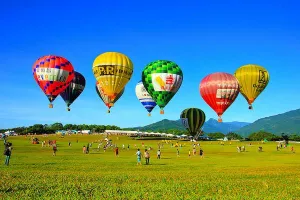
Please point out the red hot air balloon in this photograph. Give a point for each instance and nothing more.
(53, 74)
(219, 90)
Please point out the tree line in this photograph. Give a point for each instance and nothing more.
(257, 136)
(52, 128)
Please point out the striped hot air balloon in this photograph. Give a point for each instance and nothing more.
(73, 91)
(144, 97)
(192, 119)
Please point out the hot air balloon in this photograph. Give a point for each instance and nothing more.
(75, 88)
(144, 97)
(106, 100)
(53, 74)
(162, 79)
(192, 119)
(253, 79)
(112, 71)
(219, 90)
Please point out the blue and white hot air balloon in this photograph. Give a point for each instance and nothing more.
(144, 97)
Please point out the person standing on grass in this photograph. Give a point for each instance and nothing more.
(292, 149)
(87, 148)
(201, 153)
(84, 149)
(54, 149)
(7, 152)
(147, 156)
(189, 153)
(117, 152)
(139, 156)
(194, 151)
(178, 153)
(158, 154)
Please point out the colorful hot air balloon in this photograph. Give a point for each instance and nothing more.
(144, 97)
(253, 79)
(106, 100)
(162, 79)
(75, 88)
(192, 119)
(53, 74)
(219, 90)
(112, 71)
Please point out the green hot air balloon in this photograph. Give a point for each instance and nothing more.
(162, 79)
(192, 119)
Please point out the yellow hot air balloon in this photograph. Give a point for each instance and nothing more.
(253, 79)
(112, 71)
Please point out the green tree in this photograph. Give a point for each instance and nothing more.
(233, 136)
(216, 135)
(57, 126)
(261, 135)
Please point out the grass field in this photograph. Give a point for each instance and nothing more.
(222, 174)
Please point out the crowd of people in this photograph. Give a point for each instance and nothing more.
(108, 144)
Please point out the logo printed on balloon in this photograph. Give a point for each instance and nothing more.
(166, 82)
(185, 122)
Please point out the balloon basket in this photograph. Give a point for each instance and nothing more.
(250, 107)
(149, 114)
(50, 105)
(68, 109)
(220, 120)
(108, 111)
(162, 112)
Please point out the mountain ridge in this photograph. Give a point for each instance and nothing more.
(287, 122)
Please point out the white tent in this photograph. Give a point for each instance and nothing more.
(225, 139)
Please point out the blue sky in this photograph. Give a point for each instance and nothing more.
(202, 37)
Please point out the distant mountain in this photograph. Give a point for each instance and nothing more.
(210, 126)
(288, 122)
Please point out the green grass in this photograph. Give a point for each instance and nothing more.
(223, 174)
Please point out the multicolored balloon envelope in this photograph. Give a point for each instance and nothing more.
(105, 98)
(144, 97)
(112, 71)
(192, 119)
(73, 91)
(219, 90)
(253, 79)
(162, 79)
(53, 74)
